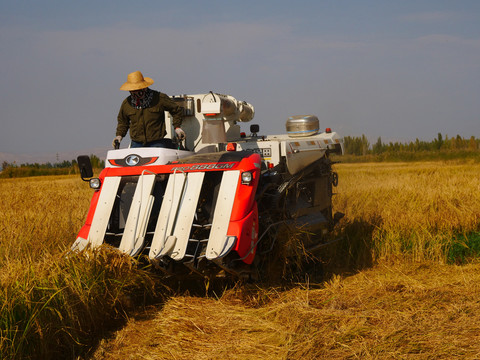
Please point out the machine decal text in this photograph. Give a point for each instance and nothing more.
(217, 166)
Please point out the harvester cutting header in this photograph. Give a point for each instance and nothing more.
(214, 202)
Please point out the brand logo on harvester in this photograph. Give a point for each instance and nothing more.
(217, 166)
(132, 160)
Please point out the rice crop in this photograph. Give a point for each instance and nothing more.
(55, 304)
(422, 211)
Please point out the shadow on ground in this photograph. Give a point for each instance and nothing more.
(352, 253)
(299, 257)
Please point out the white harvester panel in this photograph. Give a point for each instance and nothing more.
(299, 152)
(302, 153)
(104, 209)
(167, 215)
(137, 221)
(268, 150)
(219, 243)
(155, 156)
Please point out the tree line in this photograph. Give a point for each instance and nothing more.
(359, 145)
(356, 146)
(11, 170)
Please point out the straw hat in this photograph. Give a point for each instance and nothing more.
(136, 81)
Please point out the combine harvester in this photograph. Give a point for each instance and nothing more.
(206, 206)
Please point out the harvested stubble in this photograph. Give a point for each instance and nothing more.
(394, 311)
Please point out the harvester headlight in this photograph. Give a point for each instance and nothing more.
(95, 183)
(247, 178)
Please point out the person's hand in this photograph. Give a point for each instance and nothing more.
(116, 141)
(180, 133)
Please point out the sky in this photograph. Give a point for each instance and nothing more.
(397, 69)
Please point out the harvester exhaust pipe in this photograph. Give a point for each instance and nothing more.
(217, 109)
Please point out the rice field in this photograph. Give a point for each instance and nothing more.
(54, 304)
(402, 281)
(421, 211)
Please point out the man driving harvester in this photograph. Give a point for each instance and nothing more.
(143, 113)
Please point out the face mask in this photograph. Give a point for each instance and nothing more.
(142, 98)
(138, 94)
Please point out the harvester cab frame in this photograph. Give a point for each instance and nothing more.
(207, 210)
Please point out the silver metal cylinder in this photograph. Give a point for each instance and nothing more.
(302, 125)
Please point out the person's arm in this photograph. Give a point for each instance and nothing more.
(123, 122)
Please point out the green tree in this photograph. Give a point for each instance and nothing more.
(96, 162)
(378, 147)
(472, 144)
(365, 145)
(438, 142)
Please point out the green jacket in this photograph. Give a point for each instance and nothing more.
(148, 124)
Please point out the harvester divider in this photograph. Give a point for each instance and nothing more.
(136, 225)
